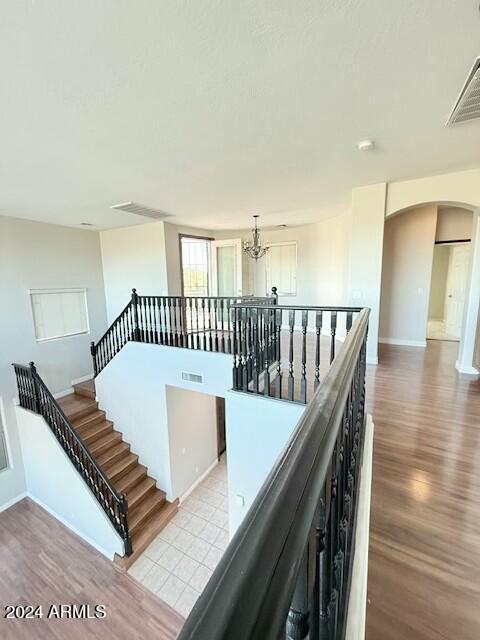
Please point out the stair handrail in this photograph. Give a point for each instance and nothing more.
(288, 568)
(127, 325)
(34, 395)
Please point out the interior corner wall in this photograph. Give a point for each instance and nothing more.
(192, 436)
(406, 275)
(367, 225)
(133, 257)
(35, 255)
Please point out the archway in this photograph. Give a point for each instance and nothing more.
(410, 237)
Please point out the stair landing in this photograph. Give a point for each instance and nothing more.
(148, 509)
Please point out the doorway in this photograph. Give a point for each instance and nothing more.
(448, 290)
(226, 268)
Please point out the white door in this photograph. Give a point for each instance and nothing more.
(226, 267)
(457, 278)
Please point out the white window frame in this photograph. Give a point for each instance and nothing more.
(83, 290)
(268, 279)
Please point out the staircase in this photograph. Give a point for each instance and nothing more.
(148, 509)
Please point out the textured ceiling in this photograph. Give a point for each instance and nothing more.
(211, 110)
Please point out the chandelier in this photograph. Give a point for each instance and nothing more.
(253, 248)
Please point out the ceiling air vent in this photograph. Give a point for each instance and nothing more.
(140, 210)
(467, 106)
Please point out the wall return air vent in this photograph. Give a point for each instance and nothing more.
(467, 106)
(141, 210)
(192, 377)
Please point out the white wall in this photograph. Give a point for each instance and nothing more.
(453, 223)
(133, 257)
(192, 435)
(257, 430)
(366, 248)
(131, 389)
(40, 256)
(438, 287)
(53, 482)
(322, 261)
(407, 267)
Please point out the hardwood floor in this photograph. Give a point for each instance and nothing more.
(424, 564)
(42, 562)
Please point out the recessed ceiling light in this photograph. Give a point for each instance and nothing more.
(365, 145)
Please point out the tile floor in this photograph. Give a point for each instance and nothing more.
(179, 562)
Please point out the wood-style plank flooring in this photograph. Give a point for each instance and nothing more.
(424, 564)
(42, 563)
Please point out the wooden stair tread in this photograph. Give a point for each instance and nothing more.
(140, 491)
(122, 466)
(105, 442)
(113, 454)
(128, 481)
(147, 533)
(89, 419)
(75, 406)
(139, 514)
(85, 388)
(148, 510)
(96, 431)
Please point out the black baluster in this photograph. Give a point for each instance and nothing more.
(303, 382)
(278, 354)
(266, 375)
(233, 312)
(318, 343)
(291, 379)
(333, 331)
(298, 619)
(93, 351)
(349, 320)
(136, 328)
(215, 317)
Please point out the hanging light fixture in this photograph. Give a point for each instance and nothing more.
(253, 248)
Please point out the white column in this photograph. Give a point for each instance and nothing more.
(472, 308)
(365, 281)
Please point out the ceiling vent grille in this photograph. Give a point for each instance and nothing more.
(467, 106)
(140, 210)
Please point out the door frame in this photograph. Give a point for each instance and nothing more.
(180, 253)
(448, 283)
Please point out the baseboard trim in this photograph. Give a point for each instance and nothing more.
(82, 379)
(62, 394)
(461, 368)
(198, 481)
(372, 360)
(404, 343)
(70, 526)
(10, 503)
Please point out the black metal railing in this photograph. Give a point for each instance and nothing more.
(288, 568)
(202, 322)
(34, 395)
(283, 351)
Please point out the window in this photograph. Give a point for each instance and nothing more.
(58, 313)
(195, 256)
(281, 266)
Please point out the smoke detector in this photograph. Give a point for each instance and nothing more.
(141, 210)
(467, 106)
(365, 145)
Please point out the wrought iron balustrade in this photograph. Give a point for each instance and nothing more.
(202, 322)
(283, 351)
(34, 395)
(287, 571)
